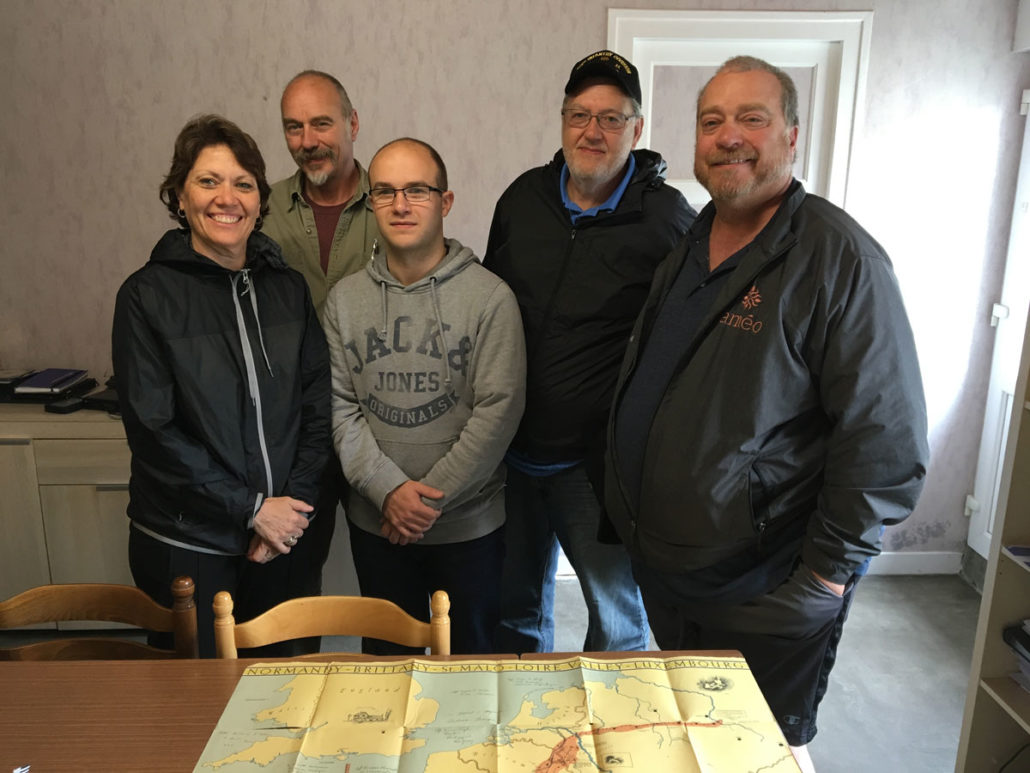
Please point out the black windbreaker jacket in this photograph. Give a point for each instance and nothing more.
(797, 401)
(579, 289)
(223, 378)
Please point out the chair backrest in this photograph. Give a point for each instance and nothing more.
(101, 602)
(333, 616)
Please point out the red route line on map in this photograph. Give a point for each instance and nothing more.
(564, 754)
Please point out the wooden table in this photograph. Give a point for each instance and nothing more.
(146, 715)
(149, 716)
(130, 715)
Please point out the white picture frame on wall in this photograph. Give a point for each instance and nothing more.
(676, 52)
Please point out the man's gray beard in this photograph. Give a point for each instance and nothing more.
(726, 192)
(318, 179)
(595, 180)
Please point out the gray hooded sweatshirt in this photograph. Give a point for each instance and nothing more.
(410, 403)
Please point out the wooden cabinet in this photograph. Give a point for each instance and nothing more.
(23, 558)
(64, 483)
(63, 493)
(997, 714)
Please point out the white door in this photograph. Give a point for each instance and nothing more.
(675, 52)
(1010, 320)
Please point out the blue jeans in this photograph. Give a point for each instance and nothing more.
(543, 512)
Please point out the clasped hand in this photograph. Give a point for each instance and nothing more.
(279, 523)
(406, 517)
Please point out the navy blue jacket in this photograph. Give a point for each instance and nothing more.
(579, 289)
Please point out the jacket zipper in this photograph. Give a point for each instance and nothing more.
(248, 360)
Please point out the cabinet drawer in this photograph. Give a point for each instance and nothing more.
(91, 462)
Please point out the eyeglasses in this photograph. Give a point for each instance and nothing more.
(609, 121)
(414, 194)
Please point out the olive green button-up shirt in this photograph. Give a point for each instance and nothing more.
(291, 222)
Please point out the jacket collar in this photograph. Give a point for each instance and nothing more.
(650, 173)
(174, 248)
(772, 240)
(457, 258)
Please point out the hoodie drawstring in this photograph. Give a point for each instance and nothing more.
(439, 325)
(382, 288)
(381, 276)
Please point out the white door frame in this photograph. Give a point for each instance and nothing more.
(833, 46)
(1009, 319)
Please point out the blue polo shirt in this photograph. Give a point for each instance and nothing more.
(575, 213)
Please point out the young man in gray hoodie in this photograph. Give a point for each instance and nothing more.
(429, 371)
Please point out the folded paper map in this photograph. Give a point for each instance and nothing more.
(644, 714)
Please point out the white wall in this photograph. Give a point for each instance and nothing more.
(94, 92)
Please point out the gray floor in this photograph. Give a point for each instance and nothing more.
(896, 694)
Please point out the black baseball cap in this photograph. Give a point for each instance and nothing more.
(605, 64)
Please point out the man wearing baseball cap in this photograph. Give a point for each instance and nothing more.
(578, 241)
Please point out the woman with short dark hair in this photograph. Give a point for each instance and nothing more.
(223, 377)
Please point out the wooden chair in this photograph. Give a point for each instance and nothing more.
(102, 602)
(333, 616)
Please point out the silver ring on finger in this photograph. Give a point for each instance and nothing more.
(290, 541)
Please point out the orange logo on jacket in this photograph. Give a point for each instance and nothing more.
(745, 322)
(751, 298)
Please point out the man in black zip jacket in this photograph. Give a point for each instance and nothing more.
(769, 418)
(578, 241)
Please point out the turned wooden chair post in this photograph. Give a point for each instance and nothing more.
(225, 626)
(184, 614)
(440, 624)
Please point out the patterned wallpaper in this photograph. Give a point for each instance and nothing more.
(95, 92)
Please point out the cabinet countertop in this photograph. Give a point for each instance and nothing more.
(29, 420)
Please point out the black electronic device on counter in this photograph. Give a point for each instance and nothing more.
(102, 400)
(65, 405)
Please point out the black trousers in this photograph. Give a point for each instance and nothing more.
(408, 575)
(788, 636)
(255, 588)
(299, 572)
(154, 564)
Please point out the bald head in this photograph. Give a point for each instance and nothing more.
(346, 108)
(441, 169)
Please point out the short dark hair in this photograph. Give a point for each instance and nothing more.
(441, 169)
(203, 132)
(788, 91)
(345, 105)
